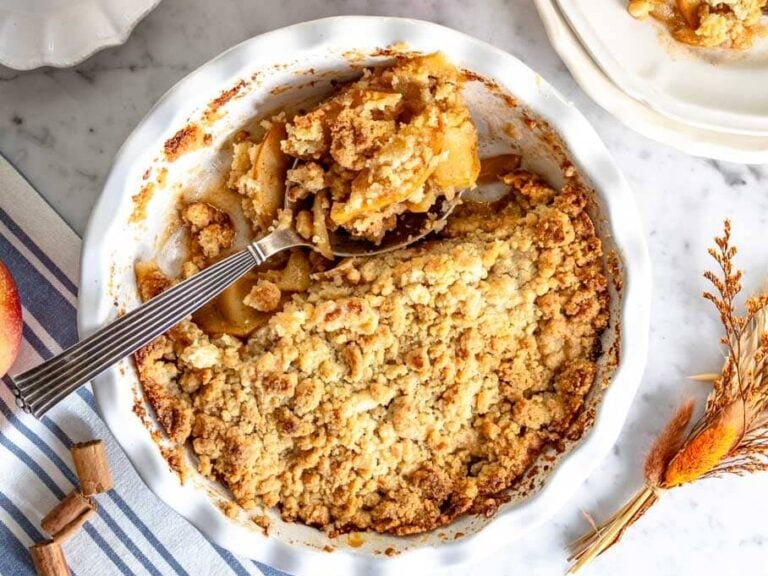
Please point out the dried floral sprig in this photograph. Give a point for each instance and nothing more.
(731, 437)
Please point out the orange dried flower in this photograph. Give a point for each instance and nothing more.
(705, 450)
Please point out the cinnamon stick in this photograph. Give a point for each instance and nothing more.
(68, 516)
(70, 529)
(92, 467)
(49, 560)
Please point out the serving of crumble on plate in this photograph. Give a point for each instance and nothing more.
(707, 23)
(701, 65)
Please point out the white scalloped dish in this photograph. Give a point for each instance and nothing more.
(289, 65)
(690, 139)
(714, 89)
(36, 33)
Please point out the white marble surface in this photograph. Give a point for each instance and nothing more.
(61, 128)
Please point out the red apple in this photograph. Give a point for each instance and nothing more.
(10, 319)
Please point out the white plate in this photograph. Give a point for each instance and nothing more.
(689, 139)
(62, 33)
(308, 56)
(713, 89)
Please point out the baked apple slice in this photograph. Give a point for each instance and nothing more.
(269, 169)
(461, 166)
(228, 314)
(320, 234)
(494, 167)
(689, 9)
(295, 276)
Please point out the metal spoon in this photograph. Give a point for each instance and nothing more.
(39, 389)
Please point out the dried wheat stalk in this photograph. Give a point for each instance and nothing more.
(731, 437)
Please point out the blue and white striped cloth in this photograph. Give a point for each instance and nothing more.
(134, 532)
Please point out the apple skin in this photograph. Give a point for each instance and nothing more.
(10, 319)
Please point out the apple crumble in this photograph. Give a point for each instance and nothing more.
(397, 392)
(707, 23)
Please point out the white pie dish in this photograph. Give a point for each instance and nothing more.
(721, 90)
(730, 147)
(36, 33)
(112, 243)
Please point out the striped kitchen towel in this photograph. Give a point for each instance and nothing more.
(134, 532)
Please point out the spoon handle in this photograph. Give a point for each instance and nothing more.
(39, 389)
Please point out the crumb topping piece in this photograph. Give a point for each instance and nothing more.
(211, 229)
(264, 296)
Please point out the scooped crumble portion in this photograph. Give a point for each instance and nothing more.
(392, 142)
(731, 24)
(396, 393)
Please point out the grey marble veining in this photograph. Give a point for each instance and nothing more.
(61, 128)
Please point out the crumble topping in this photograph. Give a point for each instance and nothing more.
(396, 393)
(707, 23)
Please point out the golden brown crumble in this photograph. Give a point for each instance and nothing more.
(211, 229)
(396, 393)
(264, 296)
(707, 23)
(189, 138)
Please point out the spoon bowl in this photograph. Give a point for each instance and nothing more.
(411, 227)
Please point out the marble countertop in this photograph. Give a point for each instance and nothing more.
(61, 128)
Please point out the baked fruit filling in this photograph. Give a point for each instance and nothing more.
(707, 23)
(398, 392)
